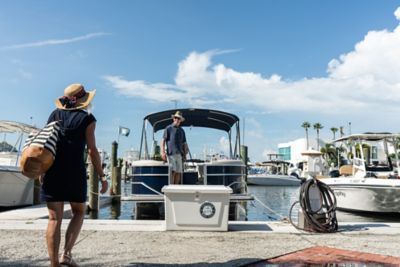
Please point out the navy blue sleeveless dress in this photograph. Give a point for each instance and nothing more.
(66, 179)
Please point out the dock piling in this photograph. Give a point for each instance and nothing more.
(244, 157)
(93, 189)
(115, 189)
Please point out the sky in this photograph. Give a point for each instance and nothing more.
(275, 64)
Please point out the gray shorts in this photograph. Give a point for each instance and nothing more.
(175, 161)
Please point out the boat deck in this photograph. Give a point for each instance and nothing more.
(160, 198)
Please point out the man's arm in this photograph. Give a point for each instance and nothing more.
(185, 145)
(185, 150)
(163, 155)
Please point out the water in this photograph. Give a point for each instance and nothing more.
(272, 204)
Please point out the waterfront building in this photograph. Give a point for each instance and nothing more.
(291, 151)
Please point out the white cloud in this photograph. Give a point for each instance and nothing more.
(266, 154)
(367, 78)
(397, 13)
(253, 129)
(25, 74)
(158, 92)
(224, 145)
(54, 41)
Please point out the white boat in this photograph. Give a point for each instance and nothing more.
(272, 173)
(370, 181)
(15, 188)
(149, 174)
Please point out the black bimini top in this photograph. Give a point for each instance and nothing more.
(207, 118)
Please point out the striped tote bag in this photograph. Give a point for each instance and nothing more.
(40, 150)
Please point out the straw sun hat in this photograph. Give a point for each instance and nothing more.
(178, 114)
(75, 97)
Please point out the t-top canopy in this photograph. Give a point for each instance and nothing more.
(194, 117)
(368, 137)
(16, 127)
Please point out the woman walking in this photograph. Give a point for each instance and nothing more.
(66, 179)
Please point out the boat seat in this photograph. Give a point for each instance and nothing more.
(346, 170)
(381, 168)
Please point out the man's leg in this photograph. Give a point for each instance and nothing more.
(177, 177)
(53, 234)
(179, 169)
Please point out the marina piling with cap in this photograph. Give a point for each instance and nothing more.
(244, 157)
(116, 184)
(93, 189)
(114, 154)
(115, 189)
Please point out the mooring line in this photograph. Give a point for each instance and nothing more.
(271, 210)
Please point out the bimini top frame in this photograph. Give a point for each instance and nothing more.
(206, 118)
(16, 127)
(384, 137)
(369, 136)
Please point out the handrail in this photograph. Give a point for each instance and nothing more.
(148, 187)
(236, 182)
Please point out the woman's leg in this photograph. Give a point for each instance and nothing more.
(74, 227)
(53, 234)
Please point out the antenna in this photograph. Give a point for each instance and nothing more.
(244, 126)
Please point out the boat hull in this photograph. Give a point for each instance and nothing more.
(366, 194)
(15, 188)
(273, 180)
(149, 177)
(225, 172)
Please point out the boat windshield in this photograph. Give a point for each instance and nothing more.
(370, 152)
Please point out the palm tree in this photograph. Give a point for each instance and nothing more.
(318, 126)
(330, 154)
(334, 130)
(306, 125)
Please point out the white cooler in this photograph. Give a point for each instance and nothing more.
(197, 207)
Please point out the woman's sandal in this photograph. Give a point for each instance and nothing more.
(68, 260)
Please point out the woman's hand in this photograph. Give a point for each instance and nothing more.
(104, 186)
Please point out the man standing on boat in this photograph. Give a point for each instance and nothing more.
(174, 139)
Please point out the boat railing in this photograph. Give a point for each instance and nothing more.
(159, 197)
(159, 193)
(148, 187)
(245, 187)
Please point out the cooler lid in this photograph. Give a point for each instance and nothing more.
(204, 189)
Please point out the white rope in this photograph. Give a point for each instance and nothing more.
(271, 210)
(99, 194)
